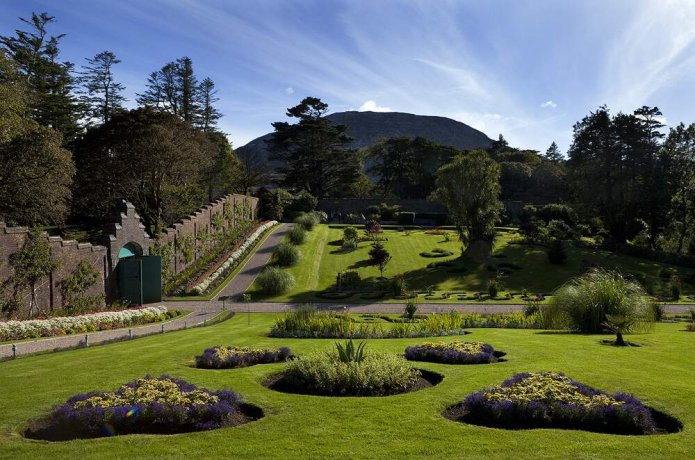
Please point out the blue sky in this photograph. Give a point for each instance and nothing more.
(526, 68)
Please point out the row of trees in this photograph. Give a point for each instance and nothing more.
(69, 147)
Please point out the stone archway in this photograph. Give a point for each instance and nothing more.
(130, 249)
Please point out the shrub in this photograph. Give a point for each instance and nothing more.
(675, 287)
(306, 221)
(456, 352)
(163, 405)
(275, 281)
(437, 252)
(406, 218)
(349, 280)
(378, 374)
(556, 253)
(583, 303)
(558, 230)
(410, 310)
(231, 357)
(296, 235)
(690, 327)
(350, 234)
(493, 288)
(348, 353)
(286, 254)
(399, 285)
(552, 400)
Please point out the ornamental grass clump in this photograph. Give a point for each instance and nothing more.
(286, 255)
(553, 400)
(218, 357)
(456, 352)
(325, 373)
(163, 405)
(296, 235)
(586, 304)
(275, 281)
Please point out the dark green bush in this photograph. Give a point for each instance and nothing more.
(297, 235)
(286, 255)
(275, 281)
(406, 218)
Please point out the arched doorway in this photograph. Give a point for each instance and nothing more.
(139, 276)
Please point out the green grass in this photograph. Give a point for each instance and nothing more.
(661, 373)
(321, 261)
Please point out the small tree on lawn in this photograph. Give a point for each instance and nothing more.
(379, 256)
(372, 228)
(31, 263)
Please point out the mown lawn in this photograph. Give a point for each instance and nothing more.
(321, 261)
(661, 373)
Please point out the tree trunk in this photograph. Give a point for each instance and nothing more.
(478, 251)
(619, 339)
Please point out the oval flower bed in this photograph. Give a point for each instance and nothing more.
(233, 259)
(456, 352)
(553, 400)
(163, 405)
(378, 374)
(230, 357)
(64, 325)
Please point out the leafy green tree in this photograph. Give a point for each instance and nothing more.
(101, 93)
(31, 264)
(469, 188)
(151, 158)
(379, 256)
(314, 150)
(50, 81)
(226, 169)
(405, 167)
(679, 151)
(36, 173)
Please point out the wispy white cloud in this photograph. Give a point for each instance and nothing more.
(372, 106)
(550, 104)
(289, 91)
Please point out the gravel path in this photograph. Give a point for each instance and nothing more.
(197, 317)
(244, 279)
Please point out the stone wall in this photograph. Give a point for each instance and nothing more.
(126, 228)
(358, 205)
(198, 230)
(68, 253)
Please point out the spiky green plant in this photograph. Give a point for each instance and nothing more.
(349, 353)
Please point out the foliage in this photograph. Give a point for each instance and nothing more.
(437, 252)
(348, 280)
(410, 309)
(378, 374)
(31, 263)
(166, 252)
(307, 221)
(219, 357)
(583, 303)
(75, 285)
(296, 235)
(557, 254)
(349, 353)
(406, 218)
(372, 228)
(309, 323)
(493, 288)
(35, 328)
(399, 285)
(274, 281)
(286, 254)
(379, 256)
(152, 159)
(469, 188)
(456, 352)
(101, 94)
(552, 400)
(149, 405)
(314, 150)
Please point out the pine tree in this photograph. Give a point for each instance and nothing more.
(101, 93)
(208, 114)
(553, 153)
(51, 83)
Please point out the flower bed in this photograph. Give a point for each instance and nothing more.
(163, 405)
(309, 323)
(230, 357)
(378, 374)
(437, 252)
(552, 400)
(456, 352)
(64, 325)
(233, 260)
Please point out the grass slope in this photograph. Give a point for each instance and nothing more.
(321, 261)
(661, 373)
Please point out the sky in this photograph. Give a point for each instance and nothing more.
(528, 69)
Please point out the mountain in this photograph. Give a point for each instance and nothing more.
(368, 127)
